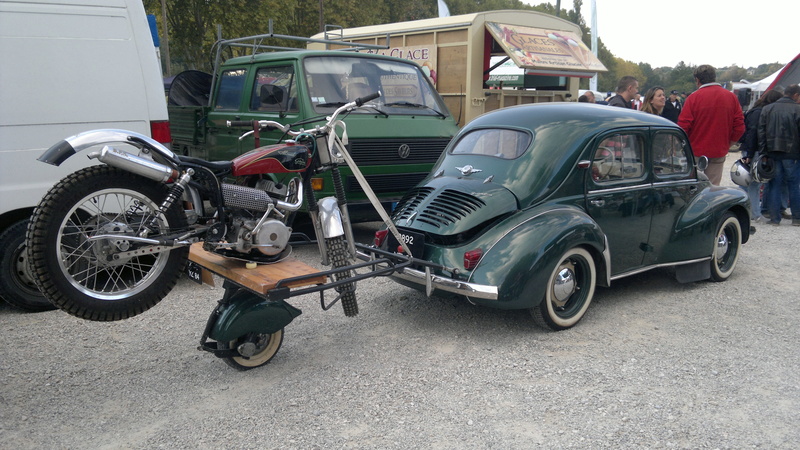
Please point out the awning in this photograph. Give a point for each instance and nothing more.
(546, 52)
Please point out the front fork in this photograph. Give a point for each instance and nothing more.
(330, 217)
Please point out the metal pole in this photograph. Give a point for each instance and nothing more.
(166, 37)
(321, 18)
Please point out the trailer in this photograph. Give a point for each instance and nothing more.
(463, 56)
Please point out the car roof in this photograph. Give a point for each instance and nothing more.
(585, 117)
(561, 132)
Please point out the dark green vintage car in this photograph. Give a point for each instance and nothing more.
(533, 206)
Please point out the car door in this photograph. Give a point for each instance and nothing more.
(619, 197)
(674, 186)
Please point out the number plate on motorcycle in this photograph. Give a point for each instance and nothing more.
(194, 272)
(414, 241)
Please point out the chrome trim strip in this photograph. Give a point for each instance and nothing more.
(674, 182)
(657, 266)
(639, 187)
(607, 258)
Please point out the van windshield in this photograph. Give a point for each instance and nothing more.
(334, 81)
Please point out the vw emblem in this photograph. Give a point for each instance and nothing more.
(404, 151)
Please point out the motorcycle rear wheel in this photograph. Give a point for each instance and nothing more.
(95, 280)
(337, 252)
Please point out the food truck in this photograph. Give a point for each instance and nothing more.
(467, 57)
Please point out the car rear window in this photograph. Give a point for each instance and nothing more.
(499, 143)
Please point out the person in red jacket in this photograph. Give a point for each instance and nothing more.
(713, 120)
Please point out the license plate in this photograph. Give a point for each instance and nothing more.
(414, 241)
(194, 272)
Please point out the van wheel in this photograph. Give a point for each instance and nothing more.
(17, 286)
(570, 289)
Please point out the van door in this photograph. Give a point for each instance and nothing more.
(263, 92)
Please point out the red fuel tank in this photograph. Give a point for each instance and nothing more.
(279, 158)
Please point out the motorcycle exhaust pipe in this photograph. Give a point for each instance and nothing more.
(135, 164)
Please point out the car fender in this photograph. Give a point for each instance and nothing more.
(696, 227)
(521, 260)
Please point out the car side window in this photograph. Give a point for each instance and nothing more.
(229, 95)
(274, 89)
(669, 155)
(618, 157)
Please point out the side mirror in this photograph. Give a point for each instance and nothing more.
(702, 163)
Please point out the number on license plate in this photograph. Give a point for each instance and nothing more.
(414, 241)
(194, 272)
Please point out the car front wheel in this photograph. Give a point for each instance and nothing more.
(570, 289)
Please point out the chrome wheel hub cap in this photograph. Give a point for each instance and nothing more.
(564, 285)
(722, 246)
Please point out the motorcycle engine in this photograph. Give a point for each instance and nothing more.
(271, 239)
(247, 204)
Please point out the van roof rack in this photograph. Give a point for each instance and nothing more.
(256, 43)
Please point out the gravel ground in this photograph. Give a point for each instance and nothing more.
(654, 364)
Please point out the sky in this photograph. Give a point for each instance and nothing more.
(721, 33)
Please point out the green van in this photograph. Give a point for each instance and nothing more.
(395, 142)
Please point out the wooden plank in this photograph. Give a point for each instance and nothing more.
(260, 279)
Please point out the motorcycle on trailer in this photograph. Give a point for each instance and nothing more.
(110, 241)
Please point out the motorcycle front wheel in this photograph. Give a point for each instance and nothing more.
(337, 252)
(113, 277)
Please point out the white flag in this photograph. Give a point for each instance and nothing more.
(443, 11)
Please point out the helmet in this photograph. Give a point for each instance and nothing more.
(740, 174)
(762, 169)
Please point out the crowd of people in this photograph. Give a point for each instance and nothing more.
(711, 116)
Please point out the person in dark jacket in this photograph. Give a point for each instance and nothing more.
(749, 148)
(627, 88)
(779, 139)
(672, 109)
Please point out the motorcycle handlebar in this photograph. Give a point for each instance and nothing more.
(268, 124)
(365, 99)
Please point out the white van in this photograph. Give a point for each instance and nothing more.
(67, 66)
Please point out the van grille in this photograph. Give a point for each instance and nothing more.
(387, 183)
(373, 152)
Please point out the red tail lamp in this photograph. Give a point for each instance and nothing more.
(380, 236)
(471, 258)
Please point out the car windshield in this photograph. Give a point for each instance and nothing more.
(499, 143)
(334, 81)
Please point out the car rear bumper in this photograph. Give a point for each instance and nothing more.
(430, 282)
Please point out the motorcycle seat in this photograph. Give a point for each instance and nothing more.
(214, 166)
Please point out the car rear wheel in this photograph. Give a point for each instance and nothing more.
(727, 243)
(570, 289)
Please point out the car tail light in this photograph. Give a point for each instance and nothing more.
(380, 236)
(471, 258)
(159, 131)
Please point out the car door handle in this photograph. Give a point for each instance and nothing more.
(597, 202)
